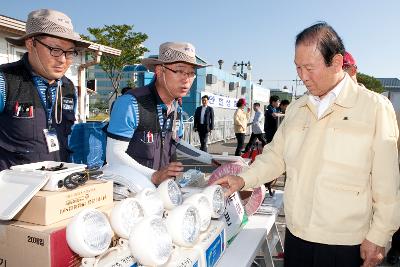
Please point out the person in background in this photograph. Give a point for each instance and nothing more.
(257, 132)
(38, 102)
(271, 118)
(143, 129)
(240, 119)
(283, 105)
(204, 122)
(349, 66)
(125, 89)
(338, 146)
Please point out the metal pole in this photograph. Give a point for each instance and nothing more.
(223, 131)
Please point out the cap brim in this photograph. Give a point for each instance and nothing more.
(151, 62)
(20, 41)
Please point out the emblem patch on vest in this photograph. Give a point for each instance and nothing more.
(147, 137)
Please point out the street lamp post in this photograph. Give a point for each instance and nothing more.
(298, 82)
(242, 64)
(220, 62)
(244, 76)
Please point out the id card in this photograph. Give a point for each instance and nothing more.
(51, 140)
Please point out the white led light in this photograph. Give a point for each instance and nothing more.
(215, 195)
(150, 242)
(151, 202)
(125, 215)
(201, 202)
(120, 255)
(170, 194)
(89, 233)
(183, 223)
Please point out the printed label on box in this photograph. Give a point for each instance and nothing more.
(214, 252)
(80, 202)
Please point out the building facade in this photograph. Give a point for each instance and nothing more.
(223, 89)
(392, 91)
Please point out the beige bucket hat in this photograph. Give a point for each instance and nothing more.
(172, 52)
(49, 22)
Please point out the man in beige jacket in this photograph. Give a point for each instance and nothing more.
(338, 146)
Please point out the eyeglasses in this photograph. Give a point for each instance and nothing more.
(348, 66)
(181, 73)
(57, 52)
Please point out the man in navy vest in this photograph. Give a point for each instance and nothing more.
(143, 127)
(37, 102)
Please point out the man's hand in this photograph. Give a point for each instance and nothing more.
(171, 170)
(371, 254)
(232, 183)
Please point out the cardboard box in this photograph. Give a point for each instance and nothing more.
(48, 207)
(25, 244)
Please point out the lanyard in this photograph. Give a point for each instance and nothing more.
(49, 99)
(46, 100)
(49, 106)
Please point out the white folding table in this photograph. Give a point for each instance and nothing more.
(259, 236)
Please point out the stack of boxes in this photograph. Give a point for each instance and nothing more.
(36, 235)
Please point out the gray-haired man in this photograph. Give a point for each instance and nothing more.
(37, 102)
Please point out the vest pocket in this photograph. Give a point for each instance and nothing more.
(22, 128)
(142, 152)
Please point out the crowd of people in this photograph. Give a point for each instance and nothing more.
(270, 120)
(337, 144)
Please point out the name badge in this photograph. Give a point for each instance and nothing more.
(68, 103)
(51, 140)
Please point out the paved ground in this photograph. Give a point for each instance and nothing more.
(230, 146)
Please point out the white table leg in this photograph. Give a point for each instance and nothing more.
(274, 240)
(268, 261)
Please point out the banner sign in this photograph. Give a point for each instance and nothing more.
(218, 101)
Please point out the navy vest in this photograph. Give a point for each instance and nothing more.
(22, 139)
(150, 145)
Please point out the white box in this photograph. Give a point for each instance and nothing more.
(56, 178)
(50, 207)
(211, 244)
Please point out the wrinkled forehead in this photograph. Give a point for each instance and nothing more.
(307, 54)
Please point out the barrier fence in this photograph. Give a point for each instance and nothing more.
(223, 130)
(87, 141)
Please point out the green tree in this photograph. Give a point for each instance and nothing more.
(370, 82)
(120, 37)
(130, 83)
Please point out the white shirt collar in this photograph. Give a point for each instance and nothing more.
(323, 104)
(334, 92)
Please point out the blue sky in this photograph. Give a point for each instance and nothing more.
(262, 31)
